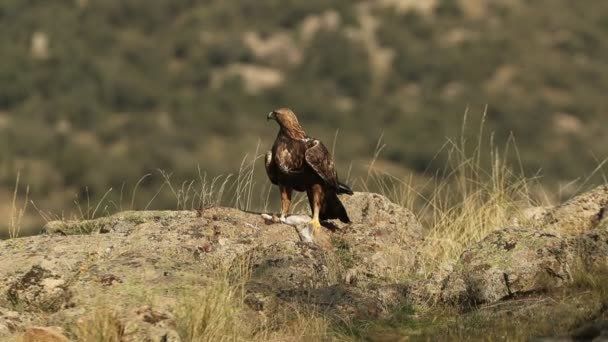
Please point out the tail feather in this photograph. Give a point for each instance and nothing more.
(334, 209)
(344, 189)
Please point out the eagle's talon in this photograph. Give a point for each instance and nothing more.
(316, 226)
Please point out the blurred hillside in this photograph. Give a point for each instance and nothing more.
(94, 94)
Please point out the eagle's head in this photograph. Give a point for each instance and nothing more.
(282, 116)
(288, 121)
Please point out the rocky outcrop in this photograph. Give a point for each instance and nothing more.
(508, 263)
(590, 249)
(578, 215)
(529, 259)
(73, 267)
(382, 241)
(519, 261)
(365, 269)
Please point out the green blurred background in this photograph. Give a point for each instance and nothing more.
(95, 94)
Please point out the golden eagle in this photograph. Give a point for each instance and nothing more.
(299, 162)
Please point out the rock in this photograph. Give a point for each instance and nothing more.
(304, 275)
(578, 215)
(122, 222)
(38, 289)
(44, 334)
(152, 325)
(362, 275)
(427, 291)
(12, 321)
(517, 261)
(151, 256)
(531, 217)
(590, 249)
(372, 209)
(382, 240)
(547, 245)
(289, 272)
(507, 263)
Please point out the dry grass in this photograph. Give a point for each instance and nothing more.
(292, 325)
(216, 312)
(103, 325)
(16, 214)
(476, 192)
(219, 313)
(212, 314)
(469, 202)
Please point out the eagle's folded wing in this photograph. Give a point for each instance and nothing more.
(271, 169)
(319, 159)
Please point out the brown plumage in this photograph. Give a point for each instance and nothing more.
(299, 162)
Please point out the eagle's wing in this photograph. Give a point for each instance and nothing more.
(319, 159)
(271, 168)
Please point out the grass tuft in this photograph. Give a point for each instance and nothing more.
(212, 314)
(104, 325)
(16, 215)
(475, 193)
(215, 314)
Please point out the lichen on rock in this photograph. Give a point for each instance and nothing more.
(38, 290)
(578, 215)
(507, 263)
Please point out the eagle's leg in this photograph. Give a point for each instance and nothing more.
(316, 193)
(285, 202)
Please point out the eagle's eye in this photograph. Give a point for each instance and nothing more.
(272, 115)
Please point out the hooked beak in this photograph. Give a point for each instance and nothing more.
(271, 116)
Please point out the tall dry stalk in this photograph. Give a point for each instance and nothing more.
(16, 216)
(475, 193)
